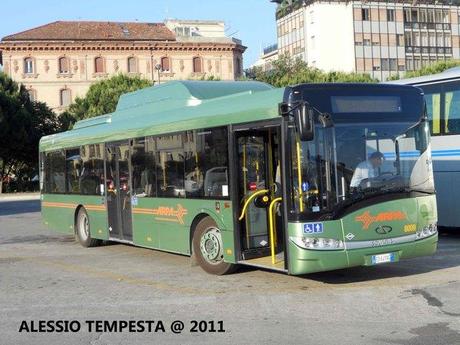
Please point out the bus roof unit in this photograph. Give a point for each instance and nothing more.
(171, 107)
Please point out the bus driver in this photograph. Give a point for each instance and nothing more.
(367, 169)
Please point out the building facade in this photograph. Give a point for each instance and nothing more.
(59, 61)
(270, 53)
(381, 38)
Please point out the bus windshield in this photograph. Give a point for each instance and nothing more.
(348, 163)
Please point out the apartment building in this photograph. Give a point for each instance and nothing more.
(59, 61)
(376, 37)
(268, 55)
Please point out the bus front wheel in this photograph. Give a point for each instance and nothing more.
(208, 248)
(83, 231)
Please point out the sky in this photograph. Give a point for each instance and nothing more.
(252, 21)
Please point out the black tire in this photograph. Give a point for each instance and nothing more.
(208, 248)
(83, 230)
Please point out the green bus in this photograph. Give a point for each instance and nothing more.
(301, 179)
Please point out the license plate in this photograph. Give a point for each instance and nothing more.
(383, 258)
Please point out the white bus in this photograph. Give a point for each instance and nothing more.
(442, 94)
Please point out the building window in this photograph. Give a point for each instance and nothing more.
(65, 97)
(165, 64)
(400, 40)
(366, 42)
(447, 41)
(64, 65)
(28, 65)
(184, 31)
(393, 65)
(390, 15)
(197, 65)
(32, 95)
(99, 65)
(132, 65)
(365, 14)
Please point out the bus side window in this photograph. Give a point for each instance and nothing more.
(92, 171)
(206, 163)
(73, 170)
(433, 108)
(55, 172)
(143, 163)
(170, 166)
(452, 112)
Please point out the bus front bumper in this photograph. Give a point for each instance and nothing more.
(303, 261)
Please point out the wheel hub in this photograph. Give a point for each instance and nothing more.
(211, 246)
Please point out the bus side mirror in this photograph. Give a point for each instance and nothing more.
(304, 121)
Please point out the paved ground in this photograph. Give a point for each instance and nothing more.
(19, 196)
(47, 276)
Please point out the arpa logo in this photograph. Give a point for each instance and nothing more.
(367, 219)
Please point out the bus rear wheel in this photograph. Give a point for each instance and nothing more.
(208, 248)
(83, 230)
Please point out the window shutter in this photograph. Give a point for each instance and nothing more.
(165, 64)
(197, 65)
(65, 97)
(131, 65)
(63, 65)
(99, 65)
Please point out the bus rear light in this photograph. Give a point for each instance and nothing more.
(318, 243)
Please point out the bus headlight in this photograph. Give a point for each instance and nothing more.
(426, 231)
(318, 243)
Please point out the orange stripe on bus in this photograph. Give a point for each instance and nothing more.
(69, 205)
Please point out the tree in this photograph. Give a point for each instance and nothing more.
(22, 124)
(101, 98)
(434, 68)
(288, 71)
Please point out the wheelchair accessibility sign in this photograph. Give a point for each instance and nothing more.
(313, 228)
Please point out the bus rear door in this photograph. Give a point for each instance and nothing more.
(118, 186)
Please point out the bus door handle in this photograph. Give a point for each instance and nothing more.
(249, 200)
(272, 226)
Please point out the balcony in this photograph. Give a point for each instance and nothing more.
(270, 49)
(429, 50)
(426, 26)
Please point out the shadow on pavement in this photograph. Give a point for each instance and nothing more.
(8, 208)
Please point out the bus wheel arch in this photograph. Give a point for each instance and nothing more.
(77, 209)
(83, 228)
(207, 246)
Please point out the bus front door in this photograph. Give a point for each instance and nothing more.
(118, 186)
(258, 175)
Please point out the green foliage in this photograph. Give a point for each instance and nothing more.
(22, 124)
(288, 6)
(288, 71)
(101, 98)
(434, 68)
(210, 78)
